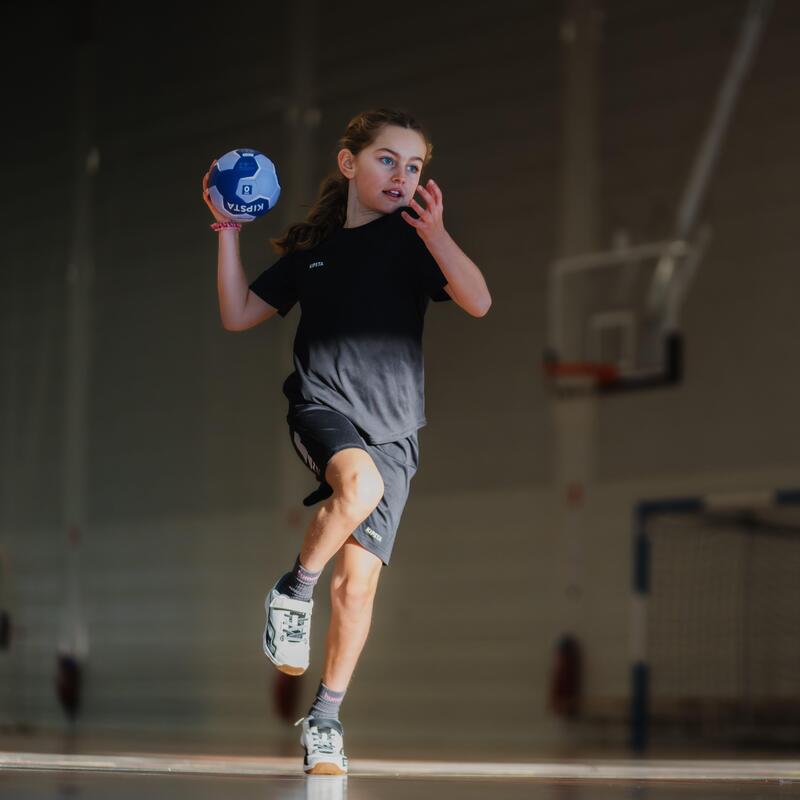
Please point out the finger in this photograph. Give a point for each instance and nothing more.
(425, 196)
(428, 197)
(417, 207)
(434, 193)
(408, 218)
(424, 192)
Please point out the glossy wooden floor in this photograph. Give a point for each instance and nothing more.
(42, 776)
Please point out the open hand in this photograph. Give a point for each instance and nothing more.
(430, 224)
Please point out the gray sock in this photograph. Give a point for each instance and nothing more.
(299, 583)
(327, 703)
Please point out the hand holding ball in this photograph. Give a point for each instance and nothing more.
(241, 186)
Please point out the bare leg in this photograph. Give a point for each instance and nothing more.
(357, 489)
(353, 586)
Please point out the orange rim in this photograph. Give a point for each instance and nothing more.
(600, 373)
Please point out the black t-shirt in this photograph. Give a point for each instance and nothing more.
(363, 293)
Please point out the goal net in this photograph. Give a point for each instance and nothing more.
(721, 641)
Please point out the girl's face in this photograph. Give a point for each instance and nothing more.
(385, 174)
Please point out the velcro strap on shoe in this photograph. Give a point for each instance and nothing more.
(285, 603)
(323, 724)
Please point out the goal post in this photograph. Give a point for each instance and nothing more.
(715, 625)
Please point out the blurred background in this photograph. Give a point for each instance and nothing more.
(150, 495)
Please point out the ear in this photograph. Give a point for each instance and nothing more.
(347, 163)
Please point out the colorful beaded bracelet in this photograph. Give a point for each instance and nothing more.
(218, 226)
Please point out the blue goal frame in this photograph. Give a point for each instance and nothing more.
(644, 512)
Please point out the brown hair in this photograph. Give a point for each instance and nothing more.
(330, 208)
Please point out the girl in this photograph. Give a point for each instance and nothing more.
(363, 268)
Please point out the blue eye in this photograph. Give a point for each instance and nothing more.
(413, 168)
(387, 158)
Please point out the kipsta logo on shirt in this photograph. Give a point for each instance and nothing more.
(314, 264)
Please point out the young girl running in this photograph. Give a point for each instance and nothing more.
(363, 268)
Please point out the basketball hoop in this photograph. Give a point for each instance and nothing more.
(576, 376)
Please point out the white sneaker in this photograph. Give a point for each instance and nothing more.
(324, 745)
(287, 631)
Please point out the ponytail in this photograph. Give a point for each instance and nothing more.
(327, 214)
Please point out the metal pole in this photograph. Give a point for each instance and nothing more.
(708, 154)
(79, 277)
(574, 418)
(706, 158)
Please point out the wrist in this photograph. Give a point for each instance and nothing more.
(437, 240)
(227, 225)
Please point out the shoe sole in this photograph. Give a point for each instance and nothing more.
(326, 768)
(287, 670)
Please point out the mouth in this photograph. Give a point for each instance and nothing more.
(395, 194)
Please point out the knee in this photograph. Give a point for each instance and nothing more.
(360, 491)
(353, 593)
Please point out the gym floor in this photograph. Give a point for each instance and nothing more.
(40, 776)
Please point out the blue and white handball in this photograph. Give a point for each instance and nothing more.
(243, 184)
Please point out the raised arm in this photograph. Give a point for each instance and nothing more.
(465, 282)
(239, 308)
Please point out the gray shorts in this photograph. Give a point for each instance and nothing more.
(318, 433)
